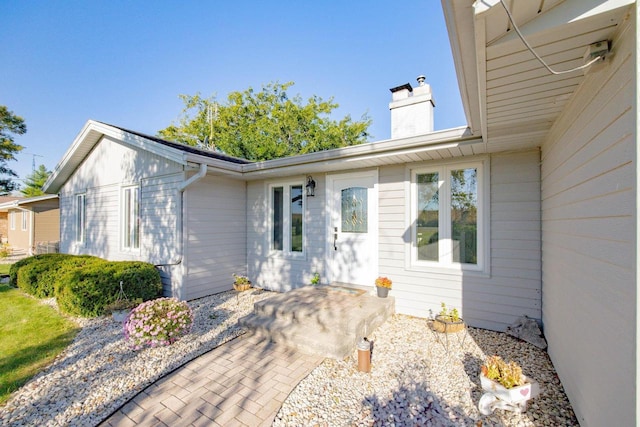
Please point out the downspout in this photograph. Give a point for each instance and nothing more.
(180, 215)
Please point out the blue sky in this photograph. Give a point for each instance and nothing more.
(126, 62)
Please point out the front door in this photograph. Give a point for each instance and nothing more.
(353, 227)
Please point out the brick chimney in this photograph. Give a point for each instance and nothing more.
(411, 109)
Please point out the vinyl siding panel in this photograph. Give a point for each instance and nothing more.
(512, 286)
(47, 224)
(215, 235)
(589, 240)
(19, 238)
(273, 271)
(109, 167)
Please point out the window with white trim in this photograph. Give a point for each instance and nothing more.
(81, 214)
(12, 220)
(131, 218)
(286, 220)
(25, 220)
(447, 216)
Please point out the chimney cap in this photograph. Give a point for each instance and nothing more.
(421, 78)
(399, 88)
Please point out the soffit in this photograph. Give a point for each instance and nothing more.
(514, 97)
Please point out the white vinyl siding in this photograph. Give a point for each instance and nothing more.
(109, 167)
(278, 272)
(589, 229)
(215, 239)
(510, 286)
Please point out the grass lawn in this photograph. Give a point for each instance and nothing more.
(32, 335)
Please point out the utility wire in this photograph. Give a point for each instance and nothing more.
(551, 70)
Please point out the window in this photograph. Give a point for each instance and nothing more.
(130, 218)
(81, 209)
(25, 220)
(12, 220)
(287, 218)
(353, 206)
(447, 216)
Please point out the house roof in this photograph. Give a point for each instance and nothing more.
(93, 131)
(184, 147)
(508, 96)
(436, 145)
(5, 206)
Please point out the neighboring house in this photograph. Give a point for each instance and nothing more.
(32, 221)
(530, 209)
(4, 218)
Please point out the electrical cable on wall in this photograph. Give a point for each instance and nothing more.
(551, 70)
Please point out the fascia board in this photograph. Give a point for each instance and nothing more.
(459, 18)
(88, 137)
(66, 165)
(366, 151)
(27, 201)
(223, 166)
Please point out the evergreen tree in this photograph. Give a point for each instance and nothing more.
(35, 182)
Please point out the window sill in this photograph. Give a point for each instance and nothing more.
(449, 271)
(287, 255)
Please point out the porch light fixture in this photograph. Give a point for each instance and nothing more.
(311, 186)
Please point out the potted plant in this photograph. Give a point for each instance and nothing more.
(383, 284)
(120, 308)
(448, 320)
(241, 283)
(505, 386)
(122, 305)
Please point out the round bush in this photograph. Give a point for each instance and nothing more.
(158, 322)
(86, 291)
(46, 258)
(38, 276)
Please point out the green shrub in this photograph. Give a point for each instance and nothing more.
(37, 276)
(13, 271)
(42, 261)
(85, 291)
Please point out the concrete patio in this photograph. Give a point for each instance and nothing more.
(321, 320)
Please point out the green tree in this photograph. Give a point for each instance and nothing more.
(9, 124)
(35, 182)
(264, 125)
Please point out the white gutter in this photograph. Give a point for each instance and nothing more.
(198, 176)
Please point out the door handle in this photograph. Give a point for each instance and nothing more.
(335, 238)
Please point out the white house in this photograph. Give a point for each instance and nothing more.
(529, 209)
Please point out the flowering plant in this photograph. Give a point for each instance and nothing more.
(383, 282)
(158, 322)
(241, 280)
(507, 374)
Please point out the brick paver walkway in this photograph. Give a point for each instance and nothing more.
(240, 383)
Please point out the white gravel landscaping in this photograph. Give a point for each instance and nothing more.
(99, 371)
(414, 380)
